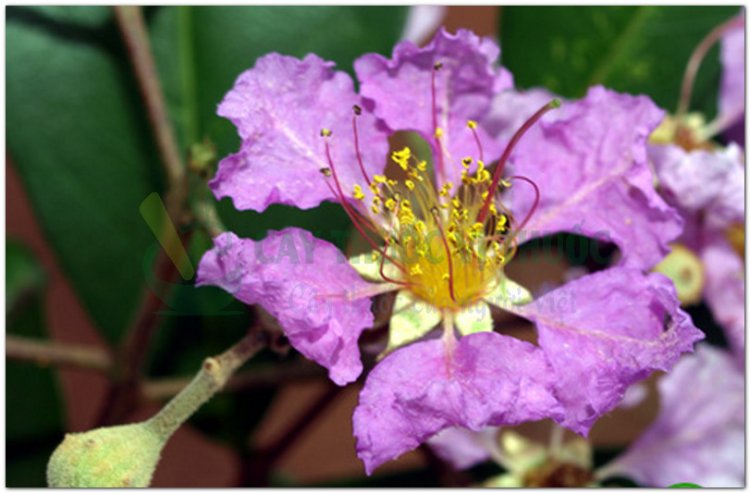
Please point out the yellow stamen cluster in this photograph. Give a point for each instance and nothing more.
(448, 257)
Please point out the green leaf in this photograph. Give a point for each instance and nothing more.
(632, 49)
(78, 137)
(34, 420)
(24, 276)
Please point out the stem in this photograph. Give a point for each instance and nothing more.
(695, 61)
(123, 393)
(211, 378)
(133, 28)
(54, 353)
(259, 377)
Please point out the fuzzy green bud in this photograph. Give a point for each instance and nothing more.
(111, 457)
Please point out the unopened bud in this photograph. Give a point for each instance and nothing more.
(111, 457)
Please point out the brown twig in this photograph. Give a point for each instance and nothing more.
(122, 395)
(155, 390)
(133, 27)
(260, 463)
(46, 353)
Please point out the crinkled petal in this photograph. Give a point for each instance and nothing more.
(401, 90)
(589, 160)
(699, 434)
(709, 182)
(486, 379)
(474, 318)
(725, 292)
(464, 448)
(279, 108)
(732, 91)
(304, 282)
(606, 331)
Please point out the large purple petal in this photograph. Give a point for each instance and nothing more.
(401, 90)
(589, 160)
(699, 434)
(279, 108)
(606, 331)
(306, 283)
(725, 292)
(486, 380)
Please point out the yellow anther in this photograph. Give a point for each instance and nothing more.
(379, 178)
(483, 175)
(422, 165)
(438, 133)
(402, 157)
(452, 238)
(409, 184)
(406, 204)
(445, 277)
(456, 203)
(505, 183)
(485, 194)
(390, 204)
(375, 209)
(375, 188)
(325, 132)
(377, 201)
(502, 220)
(392, 182)
(326, 171)
(358, 194)
(471, 124)
(416, 270)
(477, 227)
(420, 226)
(466, 162)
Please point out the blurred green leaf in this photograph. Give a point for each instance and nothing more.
(33, 419)
(640, 49)
(24, 276)
(79, 140)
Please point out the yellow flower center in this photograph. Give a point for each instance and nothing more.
(448, 257)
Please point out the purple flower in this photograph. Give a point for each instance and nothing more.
(699, 434)
(442, 234)
(697, 437)
(708, 188)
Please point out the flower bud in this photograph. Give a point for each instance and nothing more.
(117, 456)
